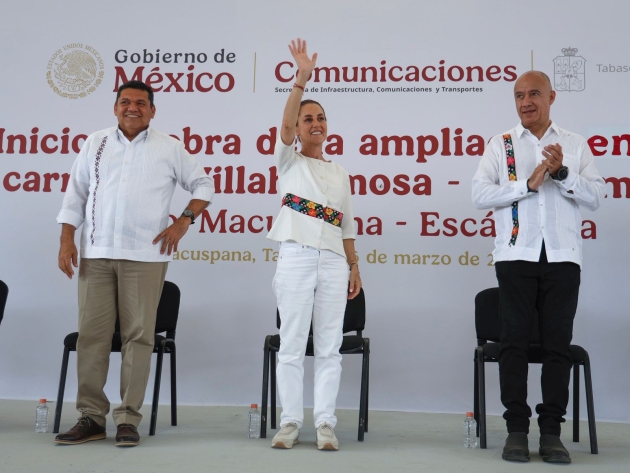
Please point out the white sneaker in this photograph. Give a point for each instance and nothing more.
(287, 436)
(326, 439)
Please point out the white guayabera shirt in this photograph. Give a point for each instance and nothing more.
(120, 191)
(553, 213)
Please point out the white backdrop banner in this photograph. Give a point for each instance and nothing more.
(412, 91)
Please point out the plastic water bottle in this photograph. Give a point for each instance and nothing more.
(470, 431)
(41, 417)
(254, 422)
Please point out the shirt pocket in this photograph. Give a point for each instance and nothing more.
(336, 191)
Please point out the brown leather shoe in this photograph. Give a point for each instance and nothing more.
(85, 430)
(127, 436)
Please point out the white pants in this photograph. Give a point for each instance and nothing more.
(310, 283)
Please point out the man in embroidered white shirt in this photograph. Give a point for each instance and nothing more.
(120, 190)
(536, 177)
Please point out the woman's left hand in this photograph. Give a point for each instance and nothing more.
(355, 282)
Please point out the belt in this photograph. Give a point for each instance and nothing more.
(313, 209)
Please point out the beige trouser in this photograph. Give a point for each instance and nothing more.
(131, 289)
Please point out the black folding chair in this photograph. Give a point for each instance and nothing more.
(4, 293)
(167, 315)
(488, 327)
(354, 321)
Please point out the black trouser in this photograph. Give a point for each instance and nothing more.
(551, 289)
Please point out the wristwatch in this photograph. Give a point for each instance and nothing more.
(562, 174)
(189, 213)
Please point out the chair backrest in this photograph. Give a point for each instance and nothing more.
(4, 293)
(354, 317)
(488, 321)
(168, 309)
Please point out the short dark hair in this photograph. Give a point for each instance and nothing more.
(138, 85)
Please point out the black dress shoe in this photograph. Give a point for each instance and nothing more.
(516, 449)
(127, 436)
(85, 430)
(552, 451)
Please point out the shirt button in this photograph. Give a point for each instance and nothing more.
(541, 204)
(319, 237)
(117, 236)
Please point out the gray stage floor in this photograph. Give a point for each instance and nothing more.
(214, 439)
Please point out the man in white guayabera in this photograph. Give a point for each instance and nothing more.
(536, 176)
(120, 190)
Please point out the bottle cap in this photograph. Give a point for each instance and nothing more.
(470, 414)
(254, 406)
(42, 401)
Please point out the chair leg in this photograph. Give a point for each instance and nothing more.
(62, 389)
(265, 392)
(367, 388)
(476, 393)
(362, 398)
(576, 403)
(156, 390)
(173, 386)
(590, 408)
(272, 369)
(482, 397)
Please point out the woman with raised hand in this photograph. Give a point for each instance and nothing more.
(316, 260)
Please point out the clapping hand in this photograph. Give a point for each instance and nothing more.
(554, 156)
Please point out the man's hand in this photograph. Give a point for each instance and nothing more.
(68, 255)
(554, 156)
(172, 235)
(537, 177)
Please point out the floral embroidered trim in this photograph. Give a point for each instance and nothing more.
(313, 209)
(511, 166)
(97, 164)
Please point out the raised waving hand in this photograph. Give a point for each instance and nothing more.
(304, 64)
(291, 110)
